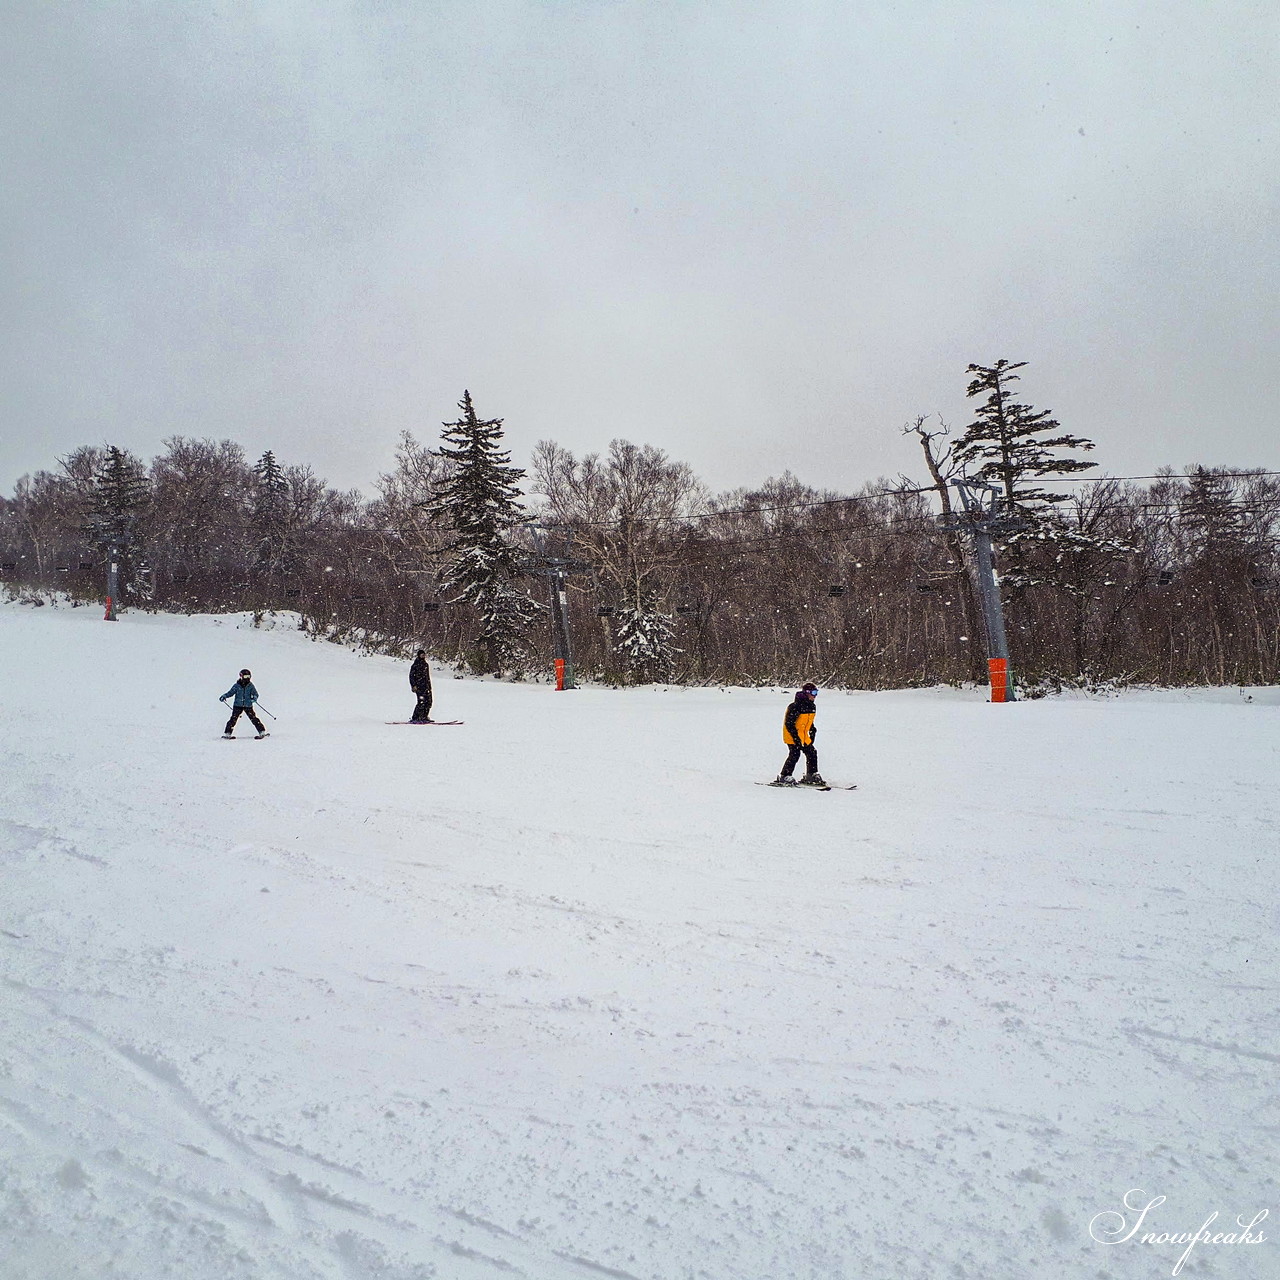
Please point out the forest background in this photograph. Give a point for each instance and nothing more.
(1167, 579)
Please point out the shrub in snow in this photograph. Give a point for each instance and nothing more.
(645, 643)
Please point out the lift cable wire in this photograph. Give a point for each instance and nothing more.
(897, 492)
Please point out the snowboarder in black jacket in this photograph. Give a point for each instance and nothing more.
(420, 683)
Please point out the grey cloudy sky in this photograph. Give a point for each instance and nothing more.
(760, 235)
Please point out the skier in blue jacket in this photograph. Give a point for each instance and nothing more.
(245, 696)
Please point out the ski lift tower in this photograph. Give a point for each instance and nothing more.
(981, 516)
(113, 583)
(555, 564)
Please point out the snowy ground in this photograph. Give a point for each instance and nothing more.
(561, 994)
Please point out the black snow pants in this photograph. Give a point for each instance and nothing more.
(423, 710)
(246, 711)
(810, 759)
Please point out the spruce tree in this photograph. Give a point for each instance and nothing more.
(269, 487)
(270, 504)
(481, 502)
(1007, 443)
(1212, 519)
(120, 497)
(1012, 446)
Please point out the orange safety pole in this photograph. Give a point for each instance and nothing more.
(998, 670)
(559, 673)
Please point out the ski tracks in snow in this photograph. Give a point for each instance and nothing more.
(233, 1202)
(533, 1002)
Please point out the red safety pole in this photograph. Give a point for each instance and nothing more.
(998, 669)
(559, 673)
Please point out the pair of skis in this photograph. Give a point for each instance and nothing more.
(802, 786)
(426, 722)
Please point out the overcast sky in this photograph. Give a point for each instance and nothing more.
(760, 235)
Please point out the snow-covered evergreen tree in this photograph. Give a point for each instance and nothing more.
(645, 642)
(270, 512)
(481, 502)
(120, 498)
(1212, 520)
(121, 493)
(1007, 444)
(269, 488)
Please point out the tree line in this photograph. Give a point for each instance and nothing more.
(1169, 579)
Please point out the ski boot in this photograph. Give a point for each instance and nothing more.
(784, 780)
(228, 735)
(812, 780)
(263, 734)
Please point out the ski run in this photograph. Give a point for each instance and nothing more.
(566, 995)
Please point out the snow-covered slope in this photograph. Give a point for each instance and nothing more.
(560, 993)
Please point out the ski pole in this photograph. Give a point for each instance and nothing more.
(259, 706)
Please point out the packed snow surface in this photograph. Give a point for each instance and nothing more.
(561, 993)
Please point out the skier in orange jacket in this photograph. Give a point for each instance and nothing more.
(798, 733)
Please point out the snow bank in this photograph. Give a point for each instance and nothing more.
(561, 993)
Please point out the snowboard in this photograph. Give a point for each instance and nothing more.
(425, 723)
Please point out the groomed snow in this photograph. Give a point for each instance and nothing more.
(560, 993)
